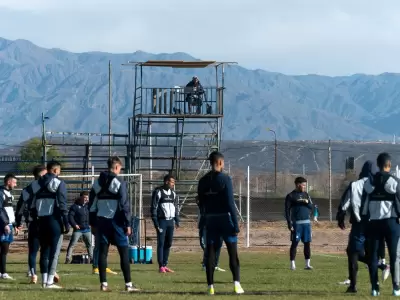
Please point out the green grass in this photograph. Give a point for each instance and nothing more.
(264, 276)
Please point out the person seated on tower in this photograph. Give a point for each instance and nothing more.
(194, 92)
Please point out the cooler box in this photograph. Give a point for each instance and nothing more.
(133, 254)
(141, 255)
(149, 255)
(145, 255)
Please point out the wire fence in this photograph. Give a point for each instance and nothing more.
(260, 188)
(328, 170)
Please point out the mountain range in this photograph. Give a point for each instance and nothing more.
(72, 90)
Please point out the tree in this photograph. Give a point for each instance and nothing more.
(31, 155)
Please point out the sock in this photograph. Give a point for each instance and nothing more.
(44, 278)
(211, 286)
(128, 284)
(32, 271)
(236, 283)
(292, 264)
(50, 280)
(104, 284)
(307, 263)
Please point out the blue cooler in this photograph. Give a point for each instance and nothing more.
(133, 254)
(141, 255)
(149, 255)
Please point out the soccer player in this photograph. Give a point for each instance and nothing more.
(298, 206)
(49, 204)
(203, 239)
(382, 207)
(165, 216)
(357, 245)
(215, 194)
(7, 220)
(110, 217)
(95, 262)
(31, 221)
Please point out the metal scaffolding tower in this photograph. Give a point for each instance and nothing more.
(166, 136)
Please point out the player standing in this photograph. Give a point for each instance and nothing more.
(382, 207)
(203, 241)
(49, 205)
(358, 244)
(7, 220)
(165, 216)
(110, 217)
(298, 206)
(31, 221)
(215, 194)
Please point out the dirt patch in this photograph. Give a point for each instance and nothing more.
(264, 236)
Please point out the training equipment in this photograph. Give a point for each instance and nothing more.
(141, 255)
(133, 254)
(80, 259)
(138, 253)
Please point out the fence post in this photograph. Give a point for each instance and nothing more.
(92, 235)
(141, 208)
(240, 197)
(330, 180)
(92, 174)
(248, 209)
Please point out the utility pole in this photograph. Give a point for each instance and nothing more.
(44, 150)
(330, 180)
(275, 156)
(109, 108)
(151, 158)
(276, 160)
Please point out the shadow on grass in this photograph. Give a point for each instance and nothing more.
(194, 293)
(251, 293)
(38, 288)
(200, 282)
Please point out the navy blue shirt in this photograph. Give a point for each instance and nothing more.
(298, 206)
(79, 215)
(215, 192)
(22, 209)
(61, 193)
(123, 215)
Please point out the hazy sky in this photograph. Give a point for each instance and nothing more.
(332, 37)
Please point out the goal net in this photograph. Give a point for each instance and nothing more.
(77, 183)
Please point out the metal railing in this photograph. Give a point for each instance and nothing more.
(179, 101)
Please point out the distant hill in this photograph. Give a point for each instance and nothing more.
(72, 89)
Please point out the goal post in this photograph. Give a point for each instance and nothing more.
(77, 183)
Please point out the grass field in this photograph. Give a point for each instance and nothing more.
(264, 276)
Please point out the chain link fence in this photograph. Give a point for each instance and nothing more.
(323, 164)
(324, 167)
